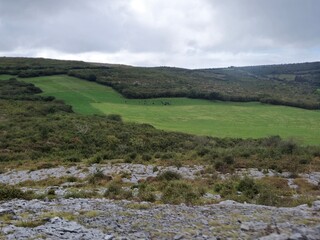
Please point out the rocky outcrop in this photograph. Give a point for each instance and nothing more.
(55, 228)
(136, 172)
(107, 219)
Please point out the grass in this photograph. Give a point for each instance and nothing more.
(200, 117)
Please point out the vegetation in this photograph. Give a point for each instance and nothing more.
(289, 84)
(263, 84)
(9, 192)
(47, 130)
(39, 131)
(177, 192)
(201, 117)
(34, 67)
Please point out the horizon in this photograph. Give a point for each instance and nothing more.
(159, 66)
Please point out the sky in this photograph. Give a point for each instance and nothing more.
(177, 33)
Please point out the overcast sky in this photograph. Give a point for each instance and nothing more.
(181, 33)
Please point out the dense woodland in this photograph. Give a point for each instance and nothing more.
(289, 84)
(42, 128)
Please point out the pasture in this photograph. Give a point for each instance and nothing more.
(200, 117)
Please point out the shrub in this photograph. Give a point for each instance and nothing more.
(226, 189)
(72, 159)
(72, 179)
(268, 196)
(98, 177)
(10, 192)
(145, 193)
(146, 157)
(169, 176)
(115, 191)
(248, 187)
(177, 192)
(51, 192)
(80, 194)
(46, 166)
(114, 117)
(228, 160)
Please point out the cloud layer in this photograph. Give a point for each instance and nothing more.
(184, 33)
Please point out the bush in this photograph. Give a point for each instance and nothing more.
(72, 159)
(146, 157)
(98, 177)
(80, 194)
(10, 192)
(248, 187)
(169, 176)
(228, 160)
(145, 193)
(268, 196)
(177, 192)
(226, 189)
(115, 191)
(51, 192)
(114, 117)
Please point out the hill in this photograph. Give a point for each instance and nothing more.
(195, 116)
(288, 84)
(68, 170)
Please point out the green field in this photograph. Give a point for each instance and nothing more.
(201, 117)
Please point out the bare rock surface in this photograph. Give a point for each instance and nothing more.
(136, 172)
(108, 219)
(55, 228)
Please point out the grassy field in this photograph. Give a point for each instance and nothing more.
(201, 117)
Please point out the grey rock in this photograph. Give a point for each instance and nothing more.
(297, 236)
(178, 237)
(291, 184)
(109, 237)
(316, 205)
(253, 226)
(212, 196)
(275, 236)
(228, 202)
(55, 229)
(4, 211)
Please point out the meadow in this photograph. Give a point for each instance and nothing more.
(200, 117)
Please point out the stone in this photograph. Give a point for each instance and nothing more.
(109, 237)
(6, 211)
(178, 237)
(253, 226)
(212, 196)
(228, 202)
(275, 236)
(316, 205)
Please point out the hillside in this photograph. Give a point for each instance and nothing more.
(289, 84)
(70, 175)
(194, 116)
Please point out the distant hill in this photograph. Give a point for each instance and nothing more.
(287, 84)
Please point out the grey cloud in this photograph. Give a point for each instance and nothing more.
(186, 33)
(261, 25)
